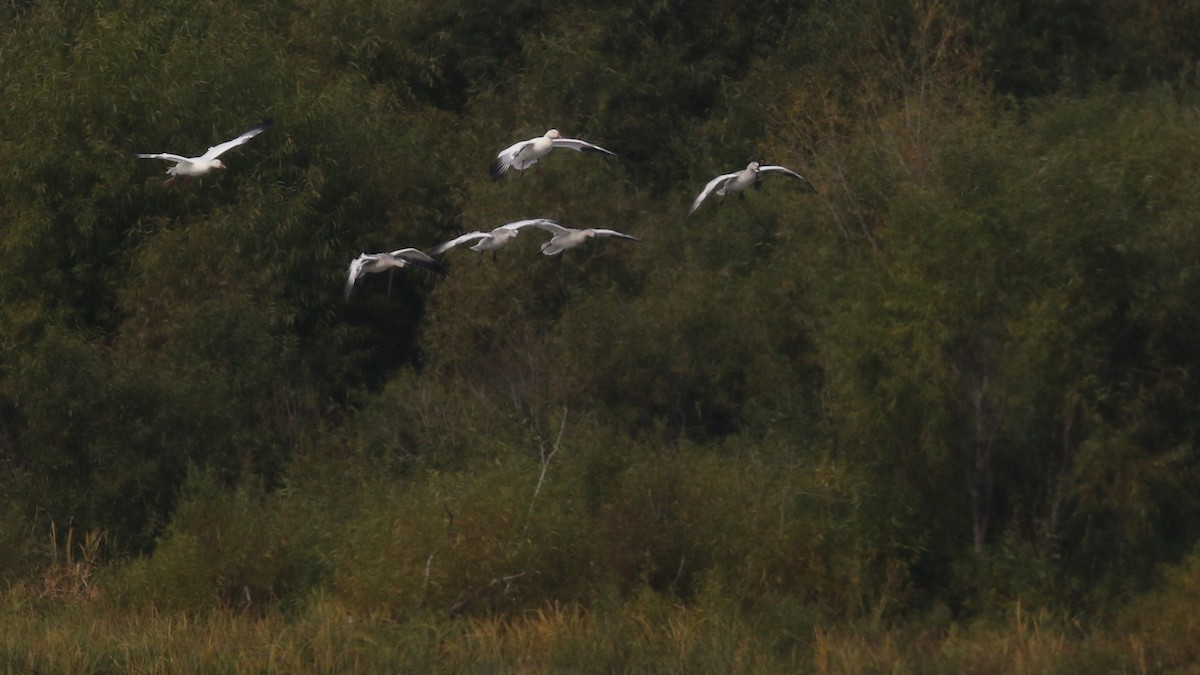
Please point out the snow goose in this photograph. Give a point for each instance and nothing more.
(740, 180)
(190, 167)
(521, 156)
(382, 262)
(566, 237)
(490, 241)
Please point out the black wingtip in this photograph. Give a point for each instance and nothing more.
(496, 169)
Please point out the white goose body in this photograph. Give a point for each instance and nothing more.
(369, 263)
(739, 181)
(522, 155)
(192, 167)
(567, 237)
(490, 241)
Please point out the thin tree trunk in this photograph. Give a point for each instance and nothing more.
(981, 483)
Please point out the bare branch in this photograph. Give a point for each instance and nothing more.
(484, 591)
(546, 459)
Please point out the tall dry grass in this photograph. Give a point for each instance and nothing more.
(650, 633)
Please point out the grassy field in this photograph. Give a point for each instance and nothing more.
(646, 636)
(78, 617)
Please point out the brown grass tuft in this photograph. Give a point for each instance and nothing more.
(70, 576)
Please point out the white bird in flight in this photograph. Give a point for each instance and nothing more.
(567, 237)
(741, 180)
(490, 241)
(521, 156)
(383, 262)
(190, 167)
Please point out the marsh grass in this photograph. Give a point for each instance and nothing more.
(646, 634)
(72, 565)
(456, 573)
(325, 637)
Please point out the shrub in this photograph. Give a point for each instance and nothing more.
(232, 548)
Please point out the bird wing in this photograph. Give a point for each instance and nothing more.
(787, 172)
(600, 232)
(580, 146)
(517, 225)
(356, 266)
(178, 159)
(510, 153)
(551, 226)
(414, 257)
(507, 157)
(712, 185)
(552, 247)
(221, 148)
(461, 239)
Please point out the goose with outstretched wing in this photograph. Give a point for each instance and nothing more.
(192, 167)
(368, 263)
(567, 237)
(738, 181)
(521, 156)
(490, 241)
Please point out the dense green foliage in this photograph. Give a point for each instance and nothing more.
(959, 377)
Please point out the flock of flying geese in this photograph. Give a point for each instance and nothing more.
(519, 156)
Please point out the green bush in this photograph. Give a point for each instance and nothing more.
(225, 548)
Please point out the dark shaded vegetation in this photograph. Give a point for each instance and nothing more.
(959, 379)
